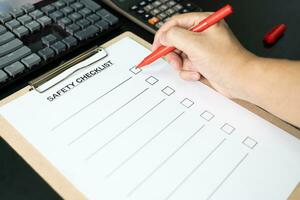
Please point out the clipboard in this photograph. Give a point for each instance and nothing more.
(48, 172)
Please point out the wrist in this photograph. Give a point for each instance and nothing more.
(246, 76)
(249, 87)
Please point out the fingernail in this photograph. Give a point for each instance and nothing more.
(196, 77)
(172, 63)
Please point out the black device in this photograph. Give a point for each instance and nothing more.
(151, 14)
(34, 34)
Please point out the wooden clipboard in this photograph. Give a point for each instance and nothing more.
(57, 180)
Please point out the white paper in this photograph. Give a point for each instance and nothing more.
(120, 135)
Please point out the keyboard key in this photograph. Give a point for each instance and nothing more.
(77, 6)
(159, 24)
(162, 16)
(59, 47)
(10, 47)
(48, 9)
(6, 37)
(189, 6)
(16, 12)
(163, 7)
(67, 10)
(33, 26)
(156, 3)
(93, 18)
(103, 13)
(12, 24)
(153, 20)
(87, 33)
(102, 25)
(70, 41)
(3, 76)
(36, 14)
(184, 10)
(46, 53)
(28, 8)
(155, 12)
(2, 29)
(44, 21)
(21, 31)
(134, 7)
(14, 69)
(24, 19)
(56, 15)
(107, 16)
(14, 56)
(142, 3)
(148, 8)
(31, 60)
(83, 23)
(171, 3)
(170, 11)
(64, 22)
(178, 7)
(5, 17)
(69, 2)
(147, 16)
(91, 5)
(85, 12)
(167, 19)
(73, 28)
(59, 4)
(140, 11)
(49, 39)
(75, 17)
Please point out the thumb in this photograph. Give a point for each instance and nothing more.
(179, 38)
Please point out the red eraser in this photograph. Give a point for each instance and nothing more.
(272, 36)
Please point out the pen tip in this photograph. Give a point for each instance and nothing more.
(141, 64)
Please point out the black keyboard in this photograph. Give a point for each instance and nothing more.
(32, 36)
(152, 14)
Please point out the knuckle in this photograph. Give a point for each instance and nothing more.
(201, 15)
(175, 17)
(171, 32)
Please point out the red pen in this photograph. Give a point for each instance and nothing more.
(203, 25)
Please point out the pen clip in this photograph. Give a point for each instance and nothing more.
(61, 73)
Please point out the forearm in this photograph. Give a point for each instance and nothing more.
(274, 85)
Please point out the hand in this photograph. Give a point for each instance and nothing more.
(215, 53)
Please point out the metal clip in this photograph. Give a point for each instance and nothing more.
(67, 66)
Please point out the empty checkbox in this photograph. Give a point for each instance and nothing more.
(207, 116)
(187, 103)
(249, 142)
(227, 128)
(168, 90)
(151, 80)
(135, 70)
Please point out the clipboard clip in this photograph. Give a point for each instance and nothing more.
(69, 65)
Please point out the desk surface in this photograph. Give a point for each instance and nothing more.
(252, 19)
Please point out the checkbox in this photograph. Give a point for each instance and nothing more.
(249, 142)
(151, 80)
(227, 128)
(135, 70)
(187, 102)
(168, 90)
(207, 116)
